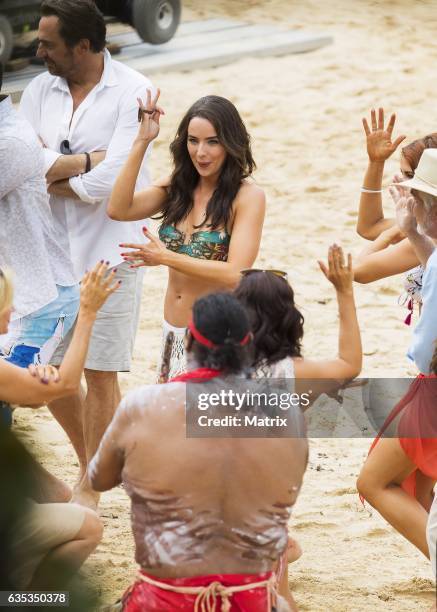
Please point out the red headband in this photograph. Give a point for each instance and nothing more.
(201, 339)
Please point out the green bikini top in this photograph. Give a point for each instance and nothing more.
(202, 244)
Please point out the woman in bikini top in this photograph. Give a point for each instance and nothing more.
(211, 212)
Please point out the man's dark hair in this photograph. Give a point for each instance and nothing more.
(78, 19)
(222, 320)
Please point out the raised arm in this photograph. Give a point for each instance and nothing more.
(371, 221)
(349, 361)
(124, 203)
(20, 387)
(243, 248)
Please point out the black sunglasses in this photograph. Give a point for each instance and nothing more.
(142, 112)
(280, 273)
(65, 148)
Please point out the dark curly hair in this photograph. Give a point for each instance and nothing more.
(221, 318)
(276, 323)
(238, 165)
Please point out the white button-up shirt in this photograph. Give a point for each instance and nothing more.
(106, 120)
(28, 240)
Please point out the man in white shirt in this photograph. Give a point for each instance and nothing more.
(84, 110)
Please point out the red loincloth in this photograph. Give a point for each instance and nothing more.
(145, 597)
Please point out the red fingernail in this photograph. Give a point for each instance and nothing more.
(107, 263)
(102, 261)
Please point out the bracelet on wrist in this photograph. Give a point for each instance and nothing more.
(365, 190)
(88, 163)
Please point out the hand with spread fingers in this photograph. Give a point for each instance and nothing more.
(148, 117)
(379, 139)
(95, 288)
(150, 254)
(338, 272)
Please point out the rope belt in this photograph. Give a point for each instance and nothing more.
(206, 599)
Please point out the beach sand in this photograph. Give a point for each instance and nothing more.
(304, 114)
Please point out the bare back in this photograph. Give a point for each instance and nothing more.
(201, 505)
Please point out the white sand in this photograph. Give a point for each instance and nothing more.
(304, 113)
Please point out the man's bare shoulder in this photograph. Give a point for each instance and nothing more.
(154, 401)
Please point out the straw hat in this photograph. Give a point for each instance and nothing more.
(425, 176)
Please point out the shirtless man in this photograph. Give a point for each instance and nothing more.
(208, 513)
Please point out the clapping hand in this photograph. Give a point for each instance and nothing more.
(338, 272)
(149, 116)
(379, 140)
(405, 209)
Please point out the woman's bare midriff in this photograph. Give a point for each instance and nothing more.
(182, 292)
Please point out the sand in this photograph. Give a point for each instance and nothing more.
(304, 114)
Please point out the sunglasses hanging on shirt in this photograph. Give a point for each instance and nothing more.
(66, 150)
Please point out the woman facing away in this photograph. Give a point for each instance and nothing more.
(50, 536)
(211, 213)
(277, 327)
(377, 260)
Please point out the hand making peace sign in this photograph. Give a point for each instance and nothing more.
(149, 116)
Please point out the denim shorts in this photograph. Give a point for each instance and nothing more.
(34, 338)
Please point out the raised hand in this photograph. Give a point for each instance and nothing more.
(379, 139)
(95, 288)
(149, 254)
(149, 116)
(338, 273)
(405, 207)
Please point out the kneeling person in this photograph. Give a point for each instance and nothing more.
(209, 515)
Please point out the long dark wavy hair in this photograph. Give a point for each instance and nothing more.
(238, 165)
(276, 323)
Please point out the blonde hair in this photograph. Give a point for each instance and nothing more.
(6, 289)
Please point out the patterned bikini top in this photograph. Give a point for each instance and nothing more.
(413, 290)
(202, 244)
